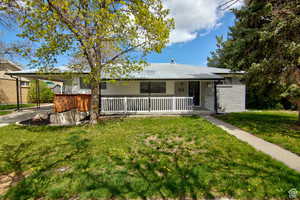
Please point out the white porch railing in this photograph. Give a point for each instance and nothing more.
(147, 104)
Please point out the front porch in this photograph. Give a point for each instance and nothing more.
(149, 96)
(130, 105)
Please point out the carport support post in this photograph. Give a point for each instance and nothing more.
(37, 91)
(21, 98)
(18, 94)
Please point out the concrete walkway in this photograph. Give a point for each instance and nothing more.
(23, 115)
(288, 158)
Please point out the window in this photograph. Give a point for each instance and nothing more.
(24, 83)
(103, 85)
(153, 87)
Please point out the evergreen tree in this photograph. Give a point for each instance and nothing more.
(265, 42)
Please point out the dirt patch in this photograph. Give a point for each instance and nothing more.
(9, 180)
(31, 122)
(5, 182)
(106, 118)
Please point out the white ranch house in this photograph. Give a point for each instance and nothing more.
(164, 88)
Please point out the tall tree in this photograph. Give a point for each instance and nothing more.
(103, 32)
(11, 50)
(265, 42)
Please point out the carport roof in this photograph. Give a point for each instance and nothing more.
(154, 71)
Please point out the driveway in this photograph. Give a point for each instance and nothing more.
(23, 115)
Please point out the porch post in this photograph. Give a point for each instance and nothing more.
(100, 98)
(174, 104)
(125, 104)
(149, 94)
(216, 96)
(18, 94)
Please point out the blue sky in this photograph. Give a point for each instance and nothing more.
(198, 22)
(195, 52)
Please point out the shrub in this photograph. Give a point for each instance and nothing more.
(46, 94)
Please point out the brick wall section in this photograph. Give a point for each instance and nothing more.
(8, 93)
(231, 98)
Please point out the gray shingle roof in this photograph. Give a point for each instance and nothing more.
(165, 71)
(177, 71)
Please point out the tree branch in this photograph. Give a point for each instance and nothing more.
(70, 26)
(124, 52)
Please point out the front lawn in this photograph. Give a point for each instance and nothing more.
(4, 112)
(278, 127)
(14, 106)
(166, 157)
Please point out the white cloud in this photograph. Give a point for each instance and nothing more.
(193, 16)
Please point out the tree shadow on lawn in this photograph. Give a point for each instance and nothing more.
(163, 168)
(21, 162)
(45, 128)
(264, 123)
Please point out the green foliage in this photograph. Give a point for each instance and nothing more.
(14, 158)
(46, 94)
(5, 112)
(216, 56)
(264, 43)
(277, 127)
(171, 157)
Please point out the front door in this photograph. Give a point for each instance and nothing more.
(194, 91)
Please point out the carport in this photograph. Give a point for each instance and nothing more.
(37, 77)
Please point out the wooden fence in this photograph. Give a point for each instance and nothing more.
(81, 102)
(66, 102)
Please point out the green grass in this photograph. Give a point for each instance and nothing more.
(167, 157)
(4, 112)
(14, 106)
(278, 127)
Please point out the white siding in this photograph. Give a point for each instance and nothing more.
(119, 88)
(231, 98)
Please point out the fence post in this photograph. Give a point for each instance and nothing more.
(125, 104)
(174, 104)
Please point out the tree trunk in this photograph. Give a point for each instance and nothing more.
(95, 112)
(298, 122)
